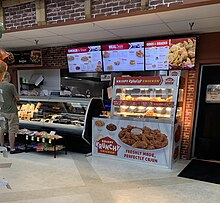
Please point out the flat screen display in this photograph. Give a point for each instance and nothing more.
(123, 57)
(170, 54)
(84, 59)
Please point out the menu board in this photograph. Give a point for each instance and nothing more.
(84, 59)
(123, 57)
(170, 54)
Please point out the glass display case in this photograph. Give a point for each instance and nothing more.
(143, 102)
(154, 97)
(144, 110)
(54, 112)
(71, 117)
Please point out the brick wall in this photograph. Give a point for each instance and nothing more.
(23, 15)
(54, 57)
(114, 7)
(189, 111)
(62, 11)
(153, 4)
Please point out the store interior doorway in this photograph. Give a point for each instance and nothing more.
(207, 126)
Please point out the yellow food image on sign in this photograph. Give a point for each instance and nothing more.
(182, 54)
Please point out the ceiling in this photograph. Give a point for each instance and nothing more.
(206, 19)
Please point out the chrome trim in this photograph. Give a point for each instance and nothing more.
(83, 133)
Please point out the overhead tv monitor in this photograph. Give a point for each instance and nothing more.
(123, 57)
(170, 54)
(84, 59)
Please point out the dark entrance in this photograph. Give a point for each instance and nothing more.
(207, 139)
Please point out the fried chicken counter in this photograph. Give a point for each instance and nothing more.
(143, 126)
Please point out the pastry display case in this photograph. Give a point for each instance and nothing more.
(145, 97)
(56, 112)
(68, 117)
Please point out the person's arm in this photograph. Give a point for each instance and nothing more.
(14, 93)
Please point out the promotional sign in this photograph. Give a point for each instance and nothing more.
(175, 72)
(146, 80)
(213, 94)
(144, 142)
(26, 58)
(84, 59)
(123, 57)
(170, 54)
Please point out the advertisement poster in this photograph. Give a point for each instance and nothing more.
(213, 94)
(123, 57)
(26, 58)
(144, 142)
(146, 80)
(84, 59)
(170, 54)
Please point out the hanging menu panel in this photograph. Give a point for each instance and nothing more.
(84, 59)
(123, 57)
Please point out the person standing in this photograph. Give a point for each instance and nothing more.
(9, 112)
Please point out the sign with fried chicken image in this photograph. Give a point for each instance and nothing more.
(144, 142)
(170, 54)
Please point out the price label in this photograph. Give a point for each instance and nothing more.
(26, 137)
(38, 139)
(43, 139)
(49, 141)
(32, 138)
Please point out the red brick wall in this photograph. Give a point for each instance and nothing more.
(153, 4)
(114, 7)
(62, 11)
(188, 114)
(54, 57)
(23, 15)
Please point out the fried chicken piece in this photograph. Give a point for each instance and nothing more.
(131, 141)
(122, 133)
(135, 137)
(140, 144)
(150, 147)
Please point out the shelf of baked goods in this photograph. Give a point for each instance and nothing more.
(56, 115)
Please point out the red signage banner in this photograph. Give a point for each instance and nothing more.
(157, 43)
(142, 103)
(154, 80)
(107, 145)
(78, 50)
(120, 46)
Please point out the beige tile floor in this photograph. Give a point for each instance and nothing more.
(73, 178)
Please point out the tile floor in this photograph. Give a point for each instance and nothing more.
(74, 178)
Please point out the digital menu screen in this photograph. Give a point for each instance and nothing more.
(123, 57)
(84, 59)
(170, 54)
